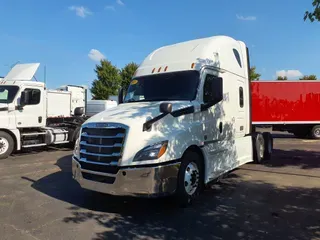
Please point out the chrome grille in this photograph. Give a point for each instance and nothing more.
(102, 143)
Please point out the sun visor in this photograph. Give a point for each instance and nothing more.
(22, 72)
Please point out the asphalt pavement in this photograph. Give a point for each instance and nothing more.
(279, 199)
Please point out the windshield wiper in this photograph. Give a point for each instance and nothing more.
(131, 100)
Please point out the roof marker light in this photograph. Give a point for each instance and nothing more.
(166, 68)
(192, 65)
(153, 70)
(159, 69)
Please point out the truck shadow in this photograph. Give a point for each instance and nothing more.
(37, 150)
(283, 135)
(295, 157)
(232, 209)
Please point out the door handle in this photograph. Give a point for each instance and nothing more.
(220, 127)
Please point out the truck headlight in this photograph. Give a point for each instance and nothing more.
(76, 150)
(151, 152)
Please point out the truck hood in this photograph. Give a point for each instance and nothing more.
(3, 107)
(134, 113)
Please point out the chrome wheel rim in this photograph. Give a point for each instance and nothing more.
(317, 132)
(4, 145)
(191, 178)
(261, 149)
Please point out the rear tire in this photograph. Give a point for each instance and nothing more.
(268, 143)
(315, 132)
(258, 147)
(190, 178)
(6, 145)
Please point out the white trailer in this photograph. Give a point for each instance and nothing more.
(184, 122)
(33, 116)
(96, 106)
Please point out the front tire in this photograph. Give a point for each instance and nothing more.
(190, 178)
(6, 145)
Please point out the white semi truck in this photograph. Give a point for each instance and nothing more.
(32, 115)
(184, 121)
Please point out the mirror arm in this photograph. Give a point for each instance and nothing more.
(120, 96)
(147, 125)
(206, 106)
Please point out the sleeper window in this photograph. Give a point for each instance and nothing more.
(241, 97)
(237, 56)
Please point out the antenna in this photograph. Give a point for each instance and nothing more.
(45, 74)
(12, 65)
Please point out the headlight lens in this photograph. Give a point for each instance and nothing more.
(151, 152)
(76, 150)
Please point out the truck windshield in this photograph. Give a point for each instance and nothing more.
(8, 93)
(162, 87)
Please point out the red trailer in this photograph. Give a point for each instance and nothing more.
(292, 106)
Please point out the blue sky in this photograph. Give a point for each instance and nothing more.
(69, 35)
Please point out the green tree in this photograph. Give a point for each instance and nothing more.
(315, 13)
(282, 78)
(127, 73)
(253, 75)
(309, 77)
(108, 81)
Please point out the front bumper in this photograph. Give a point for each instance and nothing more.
(130, 181)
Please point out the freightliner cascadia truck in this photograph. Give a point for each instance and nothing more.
(291, 106)
(184, 121)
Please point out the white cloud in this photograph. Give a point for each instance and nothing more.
(81, 11)
(289, 73)
(120, 2)
(96, 55)
(247, 18)
(110, 8)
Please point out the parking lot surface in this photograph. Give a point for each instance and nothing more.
(279, 199)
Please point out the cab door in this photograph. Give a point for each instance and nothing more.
(213, 120)
(32, 112)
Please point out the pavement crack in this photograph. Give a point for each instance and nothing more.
(25, 232)
(45, 225)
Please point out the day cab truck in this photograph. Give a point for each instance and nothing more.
(32, 115)
(291, 106)
(184, 121)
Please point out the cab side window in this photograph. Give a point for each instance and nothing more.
(34, 96)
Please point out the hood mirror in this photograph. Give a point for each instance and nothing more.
(24, 98)
(166, 108)
(120, 96)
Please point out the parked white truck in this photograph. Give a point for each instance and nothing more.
(96, 106)
(185, 121)
(33, 116)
